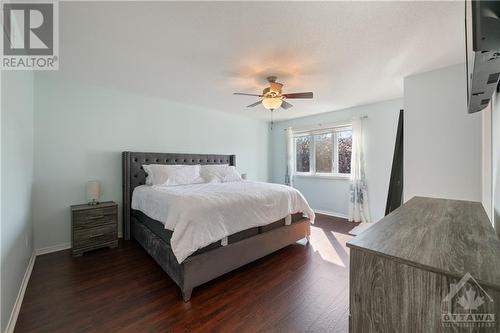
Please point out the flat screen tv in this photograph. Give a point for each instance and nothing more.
(482, 23)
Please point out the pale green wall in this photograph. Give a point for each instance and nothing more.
(81, 130)
(495, 132)
(17, 179)
(442, 144)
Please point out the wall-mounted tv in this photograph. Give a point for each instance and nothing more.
(482, 22)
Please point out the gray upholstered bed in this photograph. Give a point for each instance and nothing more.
(213, 260)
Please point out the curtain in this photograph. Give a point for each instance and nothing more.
(289, 156)
(358, 201)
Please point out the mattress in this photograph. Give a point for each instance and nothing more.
(201, 214)
(159, 230)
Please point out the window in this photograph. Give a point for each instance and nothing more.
(344, 149)
(324, 152)
(303, 151)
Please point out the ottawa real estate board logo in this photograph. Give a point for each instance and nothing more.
(30, 38)
(468, 305)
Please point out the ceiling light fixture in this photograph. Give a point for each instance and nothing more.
(272, 103)
(272, 98)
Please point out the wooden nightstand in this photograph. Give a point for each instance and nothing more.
(93, 227)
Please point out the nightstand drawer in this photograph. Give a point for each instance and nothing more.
(94, 217)
(94, 236)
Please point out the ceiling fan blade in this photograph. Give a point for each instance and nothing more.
(285, 105)
(299, 95)
(254, 104)
(245, 94)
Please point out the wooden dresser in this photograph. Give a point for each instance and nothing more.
(93, 227)
(402, 267)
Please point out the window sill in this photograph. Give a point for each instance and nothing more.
(337, 176)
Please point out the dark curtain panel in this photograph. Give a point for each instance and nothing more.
(395, 195)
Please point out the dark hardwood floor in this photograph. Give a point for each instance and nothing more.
(301, 288)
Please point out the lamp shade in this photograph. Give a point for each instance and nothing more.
(272, 103)
(93, 191)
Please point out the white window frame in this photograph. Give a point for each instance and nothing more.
(312, 153)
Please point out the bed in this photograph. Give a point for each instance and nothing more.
(189, 270)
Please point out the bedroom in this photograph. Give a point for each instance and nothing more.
(159, 77)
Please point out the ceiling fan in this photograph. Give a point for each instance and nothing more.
(272, 98)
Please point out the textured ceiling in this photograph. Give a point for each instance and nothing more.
(348, 53)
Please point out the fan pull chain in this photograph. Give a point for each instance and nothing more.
(272, 122)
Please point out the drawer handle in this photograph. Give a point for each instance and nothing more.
(97, 217)
(96, 235)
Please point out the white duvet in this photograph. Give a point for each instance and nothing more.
(201, 214)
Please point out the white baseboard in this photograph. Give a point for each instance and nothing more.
(20, 295)
(53, 248)
(325, 212)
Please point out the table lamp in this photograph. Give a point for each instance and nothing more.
(93, 192)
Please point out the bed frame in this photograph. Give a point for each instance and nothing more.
(200, 268)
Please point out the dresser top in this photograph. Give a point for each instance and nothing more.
(104, 204)
(445, 236)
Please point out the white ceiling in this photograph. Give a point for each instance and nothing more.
(348, 53)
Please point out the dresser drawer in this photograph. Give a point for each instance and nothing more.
(94, 217)
(94, 236)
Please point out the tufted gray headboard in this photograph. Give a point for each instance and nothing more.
(134, 175)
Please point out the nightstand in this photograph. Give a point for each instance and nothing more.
(93, 227)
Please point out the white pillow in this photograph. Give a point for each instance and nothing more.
(232, 175)
(170, 175)
(220, 173)
(213, 173)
